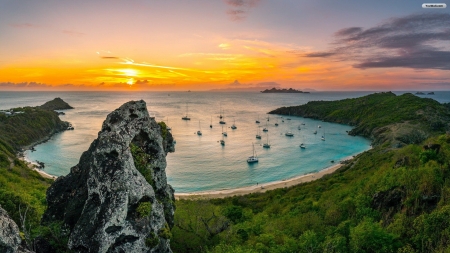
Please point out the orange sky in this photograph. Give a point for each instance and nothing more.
(144, 46)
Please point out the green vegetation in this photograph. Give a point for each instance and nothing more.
(31, 126)
(22, 190)
(152, 240)
(165, 232)
(141, 160)
(144, 209)
(387, 199)
(164, 130)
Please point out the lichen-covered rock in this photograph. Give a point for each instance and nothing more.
(9, 233)
(116, 199)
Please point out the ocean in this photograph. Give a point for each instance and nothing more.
(200, 163)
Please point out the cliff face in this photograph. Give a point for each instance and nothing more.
(116, 199)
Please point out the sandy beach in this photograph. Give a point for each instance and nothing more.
(33, 166)
(258, 188)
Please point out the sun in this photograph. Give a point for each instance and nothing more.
(129, 72)
(130, 81)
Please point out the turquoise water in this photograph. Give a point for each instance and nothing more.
(200, 163)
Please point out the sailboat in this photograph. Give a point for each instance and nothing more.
(222, 142)
(254, 157)
(299, 127)
(167, 125)
(268, 119)
(234, 124)
(323, 137)
(258, 120)
(224, 133)
(199, 132)
(265, 129)
(315, 132)
(302, 145)
(186, 117)
(258, 134)
(210, 125)
(289, 133)
(222, 117)
(266, 145)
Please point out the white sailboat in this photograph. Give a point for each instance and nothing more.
(302, 145)
(323, 137)
(222, 117)
(266, 145)
(234, 124)
(265, 129)
(289, 134)
(315, 131)
(254, 157)
(222, 142)
(258, 134)
(257, 122)
(199, 132)
(186, 117)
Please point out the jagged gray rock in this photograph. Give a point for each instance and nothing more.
(101, 201)
(9, 233)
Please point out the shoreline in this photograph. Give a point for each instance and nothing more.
(260, 188)
(33, 166)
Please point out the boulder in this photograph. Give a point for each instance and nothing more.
(116, 199)
(9, 233)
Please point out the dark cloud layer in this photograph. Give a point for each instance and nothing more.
(419, 41)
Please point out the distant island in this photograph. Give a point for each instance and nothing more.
(290, 90)
(56, 104)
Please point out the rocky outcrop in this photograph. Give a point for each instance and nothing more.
(116, 199)
(9, 233)
(56, 104)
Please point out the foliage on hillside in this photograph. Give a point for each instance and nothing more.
(22, 190)
(33, 125)
(383, 201)
(372, 115)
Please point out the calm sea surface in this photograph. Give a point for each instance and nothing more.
(200, 163)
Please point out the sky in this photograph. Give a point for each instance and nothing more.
(223, 45)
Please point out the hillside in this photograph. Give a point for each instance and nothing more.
(22, 190)
(382, 117)
(386, 199)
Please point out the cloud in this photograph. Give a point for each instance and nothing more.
(141, 82)
(23, 85)
(418, 41)
(72, 33)
(239, 9)
(110, 57)
(24, 25)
